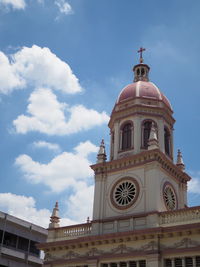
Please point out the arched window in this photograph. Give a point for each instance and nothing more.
(126, 136)
(146, 133)
(167, 141)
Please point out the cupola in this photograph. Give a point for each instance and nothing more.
(140, 108)
(141, 70)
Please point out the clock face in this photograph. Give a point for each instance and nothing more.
(169, 196)
(124, 193)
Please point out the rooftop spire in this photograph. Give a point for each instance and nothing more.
(140, 51)
(55, 219)
(141, 70)
(179, 161)
(101, 156)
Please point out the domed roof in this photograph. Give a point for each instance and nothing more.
(142, 89)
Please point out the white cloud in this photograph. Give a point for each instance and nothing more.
(38, 67)
(194, 185)
(24, 208)
(47, 115)
(9, 77)
(15, 4)
(80, 204)
(50, 146)
(65, 171)
(64, 7)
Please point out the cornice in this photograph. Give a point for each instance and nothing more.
(121, 111)
(143, 158)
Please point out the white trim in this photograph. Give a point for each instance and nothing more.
(160, 96)
(137, 93)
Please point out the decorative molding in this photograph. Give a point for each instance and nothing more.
(71, 255)
(186, 243)
(153, 245)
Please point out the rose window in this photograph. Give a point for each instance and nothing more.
(169, 197)
(124, 193)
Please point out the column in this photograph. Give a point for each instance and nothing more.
(3, 234)
(193, 261)
(153, 260)
(137, 135)
(116, 140)
(183, 262)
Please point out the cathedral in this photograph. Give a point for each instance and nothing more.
(140, 212)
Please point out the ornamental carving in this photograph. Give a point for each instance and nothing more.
(94, 252)
(153, 245)
(71, 255)
(186, 242)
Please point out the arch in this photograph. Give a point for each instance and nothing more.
(126, 135)
(146, 129)
(167, 141)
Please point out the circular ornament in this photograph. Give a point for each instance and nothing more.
(169, 196)
(124, 193)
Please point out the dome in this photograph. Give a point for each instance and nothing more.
(142, 89)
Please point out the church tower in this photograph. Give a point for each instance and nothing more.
(140, 212)
(141, 176)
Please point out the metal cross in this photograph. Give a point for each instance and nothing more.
(140, 51)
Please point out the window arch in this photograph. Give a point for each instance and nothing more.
(167, 141)
(126, 135)
(146, 129)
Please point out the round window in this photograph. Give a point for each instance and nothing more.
(169, 196)
(124, 193)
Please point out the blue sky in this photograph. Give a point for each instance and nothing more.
(63, 64)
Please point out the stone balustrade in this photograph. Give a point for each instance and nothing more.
(164, 219)
(69, 232)
(183, 216)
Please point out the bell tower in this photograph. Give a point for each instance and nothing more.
(141, 176)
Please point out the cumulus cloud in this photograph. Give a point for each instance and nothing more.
(194, 185)
(47, 115)
(82, 198)
(65, 171)
(64, 7)
(24, 208)
(38, 67)
(9, 78)
(44, 144)
(15, 4)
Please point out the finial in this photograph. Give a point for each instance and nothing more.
(179, 161)
(101, 156)
(153, 140)
(55, 219)
(141, 50)
(88, 219)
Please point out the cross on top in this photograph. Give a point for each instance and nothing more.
(140, 51)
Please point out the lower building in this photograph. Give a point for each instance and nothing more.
(18, 242)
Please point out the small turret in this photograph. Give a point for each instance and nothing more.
(153, 140)
(179, 161)
(55, 219)
(101, 156)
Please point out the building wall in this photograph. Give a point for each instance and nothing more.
(18, 240)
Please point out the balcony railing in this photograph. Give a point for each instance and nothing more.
(164, 219)
(183, 216)
(69, 232)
